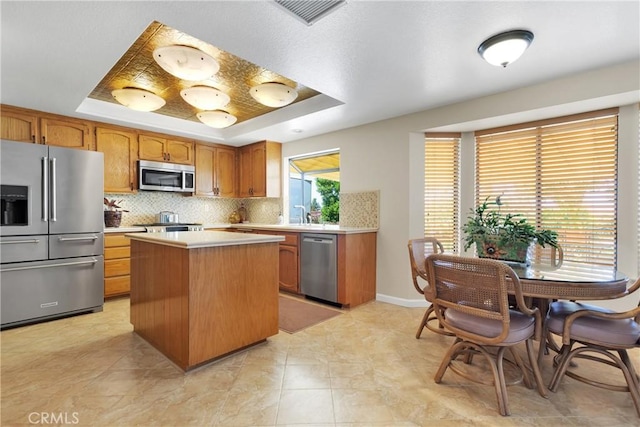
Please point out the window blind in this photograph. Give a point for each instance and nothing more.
(560, 174)
(441, 183)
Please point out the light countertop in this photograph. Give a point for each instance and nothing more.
(124, 229)
(203, 239)
(305, 228)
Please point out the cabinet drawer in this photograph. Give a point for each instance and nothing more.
(290, 239)
(117, 252)
(117, 267)
(117, 285)
(111, 240)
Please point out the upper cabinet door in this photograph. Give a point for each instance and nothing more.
(179, 152)
(152, 148)
(215, 171)
(205, 185)
(66, 133)
(260, 174)
(120, 150)
(160, 149)
(18, 126)
(226, 172)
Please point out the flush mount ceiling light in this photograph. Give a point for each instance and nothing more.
(504, 48)
(205, 97)
(217, 119)
(273, 94)
(138, 99)
(186, 62)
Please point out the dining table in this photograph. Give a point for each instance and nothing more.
(576, 281)
(571, 281)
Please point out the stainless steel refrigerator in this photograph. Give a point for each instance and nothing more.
(51, 232)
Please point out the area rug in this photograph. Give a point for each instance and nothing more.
(296, 314)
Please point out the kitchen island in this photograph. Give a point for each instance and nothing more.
(199, 295)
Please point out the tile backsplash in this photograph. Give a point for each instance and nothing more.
(356, 209)
(361, 209)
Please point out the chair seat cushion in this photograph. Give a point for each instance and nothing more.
(621, 332)
(521, 326)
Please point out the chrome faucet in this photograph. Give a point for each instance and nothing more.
(303, 215)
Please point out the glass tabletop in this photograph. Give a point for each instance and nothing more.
(571, 280)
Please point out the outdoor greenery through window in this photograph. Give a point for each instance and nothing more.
(560, 174)
(441, 194)
(314, 183)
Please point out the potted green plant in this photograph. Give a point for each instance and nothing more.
(503, 236)
(112, 212)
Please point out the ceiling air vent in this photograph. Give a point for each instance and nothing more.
(310, 11)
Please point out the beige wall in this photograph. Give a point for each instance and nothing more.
(388, 156)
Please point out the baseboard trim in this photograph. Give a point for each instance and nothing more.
(403, 302)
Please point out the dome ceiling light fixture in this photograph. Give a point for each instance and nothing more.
(273, 94)
(505, 48)
(138, 99)
(205, 97)
(217, 119)
(186, 62)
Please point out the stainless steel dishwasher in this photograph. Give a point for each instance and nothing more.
(318, 266)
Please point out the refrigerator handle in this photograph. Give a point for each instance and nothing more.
(45, 189)
(54, 210)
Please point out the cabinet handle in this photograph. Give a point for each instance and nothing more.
(33, 139)
(44, 139)
(15, 242)
(73, 239)
(169, 156)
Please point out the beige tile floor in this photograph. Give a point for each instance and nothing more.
(362, 368)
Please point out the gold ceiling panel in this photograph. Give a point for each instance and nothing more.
(236, 76)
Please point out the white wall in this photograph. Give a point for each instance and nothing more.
(389, 156)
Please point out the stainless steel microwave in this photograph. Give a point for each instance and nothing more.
(160, 176)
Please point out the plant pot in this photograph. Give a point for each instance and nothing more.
(490, 247)
(112, 218)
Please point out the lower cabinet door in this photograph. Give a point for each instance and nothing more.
(289, 272)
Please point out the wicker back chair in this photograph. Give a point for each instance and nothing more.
(604, 336)
(419, 250)
(474, 293)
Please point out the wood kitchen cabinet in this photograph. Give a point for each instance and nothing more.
(159, 149)
(289, 260)
(65, 132)
(117, 264)
(19, 124)
(215, 171)
(260, 169)
(290, 263)
(120, 148)
(356, 268)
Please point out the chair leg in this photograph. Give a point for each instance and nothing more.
(447, 359)
(495, 362)
(631, 377)
(500, 383)
(537, 376)
(563, 363)
(623, 363)
(423, 323)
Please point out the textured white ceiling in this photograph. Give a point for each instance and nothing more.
(379, 59)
